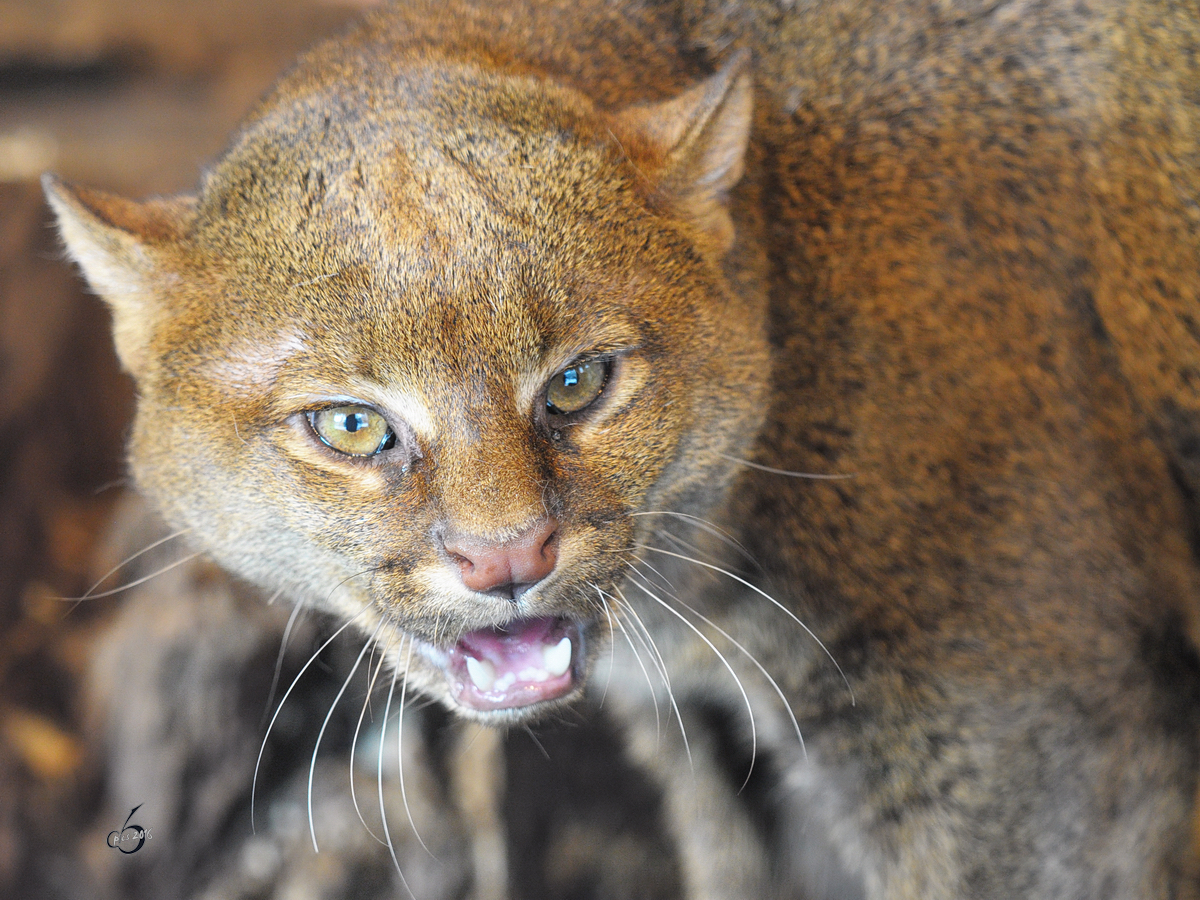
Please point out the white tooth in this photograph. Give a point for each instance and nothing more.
(504, 682)
(558, 657)
(482, 672)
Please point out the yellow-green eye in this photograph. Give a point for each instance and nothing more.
(353, 430)
(576, 387)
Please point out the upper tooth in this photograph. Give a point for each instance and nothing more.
(558, 657)
(482, 672)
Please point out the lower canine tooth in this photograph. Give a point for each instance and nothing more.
(558, 657)
(482, 672)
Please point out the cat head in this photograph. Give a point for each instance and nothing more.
(426, 342)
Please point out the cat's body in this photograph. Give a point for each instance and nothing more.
(960, 270)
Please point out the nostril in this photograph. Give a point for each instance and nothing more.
(464, 563)
(549, 549)
(534, 556)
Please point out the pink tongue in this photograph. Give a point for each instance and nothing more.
(492, 669)
(518, 647)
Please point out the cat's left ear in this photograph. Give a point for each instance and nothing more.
(125, 250)
(693, 146)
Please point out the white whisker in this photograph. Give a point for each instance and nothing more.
(645, 672)
(354, 741)
(661, 665)
(764, 594)
(127, 560)
(787, 472)
(287, 693)
(707, 527)
(750, 656)
(379, 773)
(418, 706)
(666, 582)
(312, 766)
(724, 662)
(647, 640)
(287, 632)
(533, 737)
(681, 544)
(349, 578)
(400, 752)
(135, 582)
(612, 644)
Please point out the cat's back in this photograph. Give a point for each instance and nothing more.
(983, 223)
(980, 244)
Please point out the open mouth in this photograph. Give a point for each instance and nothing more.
(527, 661)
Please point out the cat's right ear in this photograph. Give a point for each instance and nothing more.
(123, 248)
(692, 146)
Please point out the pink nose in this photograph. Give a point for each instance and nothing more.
(505, 569)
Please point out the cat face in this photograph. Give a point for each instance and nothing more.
(425, 345)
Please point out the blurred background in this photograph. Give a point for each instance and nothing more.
(135, 97)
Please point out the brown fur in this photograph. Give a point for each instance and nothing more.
(960, 268)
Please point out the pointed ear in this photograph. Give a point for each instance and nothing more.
(693, 146)
(123, 248)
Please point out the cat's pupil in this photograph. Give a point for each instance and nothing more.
(353, 430)
(576, 387)
(351, 422)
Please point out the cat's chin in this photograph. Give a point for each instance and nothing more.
(520, 669)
